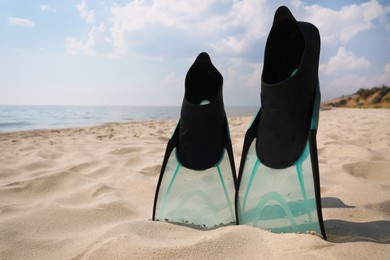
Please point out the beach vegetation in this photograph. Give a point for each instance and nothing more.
(376, 97)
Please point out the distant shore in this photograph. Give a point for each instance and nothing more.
(378, 97)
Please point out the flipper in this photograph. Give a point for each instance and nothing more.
(278, 181)
(197, 181)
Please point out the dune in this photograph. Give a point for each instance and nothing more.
(87, 193)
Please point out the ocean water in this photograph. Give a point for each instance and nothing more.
(20, 118)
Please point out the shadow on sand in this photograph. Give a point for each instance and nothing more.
(341, 231)
(334, 203)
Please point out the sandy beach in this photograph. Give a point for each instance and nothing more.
(87, 193)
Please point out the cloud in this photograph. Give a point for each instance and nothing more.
(91, 45)
(21, 22)
(85, 14)
(345, 84)
(385, 77)
(343, 62)
(255, 79)
(234, 33)
(73, 45)
(246, 22)
(96, 43)
(223, 26)
(46, 8)
(154, 16)
(350, 82)
(342, 25)
(230, 28)
(345, 73)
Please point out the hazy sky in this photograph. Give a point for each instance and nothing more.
(138, 52)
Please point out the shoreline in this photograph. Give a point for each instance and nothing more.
(18, 118)
(99, 125)
(92, 125)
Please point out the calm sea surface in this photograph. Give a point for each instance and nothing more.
(19, 118)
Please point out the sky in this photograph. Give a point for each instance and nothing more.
(82, 52)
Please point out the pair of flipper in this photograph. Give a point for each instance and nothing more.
(278, 181)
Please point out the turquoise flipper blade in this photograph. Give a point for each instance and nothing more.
(278, 200)
(203, 199)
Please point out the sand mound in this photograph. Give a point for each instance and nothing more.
(371, 170)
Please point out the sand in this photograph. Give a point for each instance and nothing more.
(87, 193)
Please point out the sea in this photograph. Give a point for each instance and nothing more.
(23, 118)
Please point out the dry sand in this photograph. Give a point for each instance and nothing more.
(88, 193)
